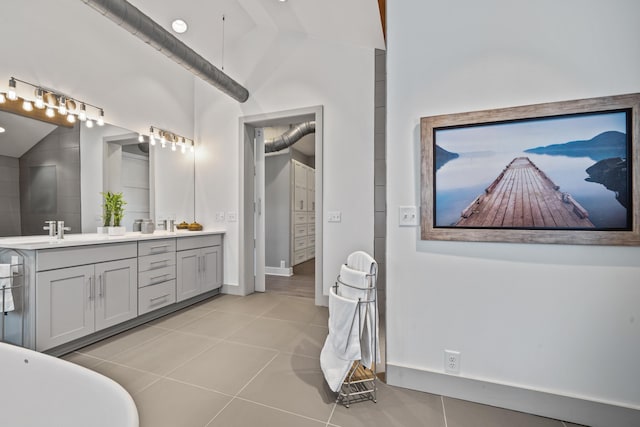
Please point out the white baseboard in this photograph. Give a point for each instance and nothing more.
(277, 271)
(551, 405)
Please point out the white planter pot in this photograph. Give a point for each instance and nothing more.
(102, 230)
(117, 231)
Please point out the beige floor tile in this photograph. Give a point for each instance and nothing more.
(217, 324)
(168, 403)
(294, 309)
(82, 360)
(111, 347)
(165, 353)
(255, 304)
(308, 342)
(176, 320)
(461, 413)
(226, 367)
(132, 380)
(396, 407)
(320, 317)
(241, 413)
(295, 384)
(270, 333)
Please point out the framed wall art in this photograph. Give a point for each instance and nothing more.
(563, 172)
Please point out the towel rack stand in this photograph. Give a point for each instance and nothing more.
(360, 382)
(12, 319)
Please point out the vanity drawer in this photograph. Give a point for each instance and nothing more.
(311, 228)
(153, 277)
(51, 259)
(154, 262)
(196, 242)
(311, 240)
(299, 243)
(311, 252)
(156, 296)
(300, 230)
(299, 218)
(299, 256)
(153, 247)
(312, 218)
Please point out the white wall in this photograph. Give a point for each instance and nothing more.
(285, 72)
(560, 319)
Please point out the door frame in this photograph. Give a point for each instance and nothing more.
(247, 132)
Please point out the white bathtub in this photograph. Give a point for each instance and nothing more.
(41, 390)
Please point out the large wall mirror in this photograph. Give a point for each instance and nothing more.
(50, 172)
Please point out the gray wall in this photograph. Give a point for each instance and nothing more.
(277, 210)
(380, 176)
(50, 181)
(9, 196)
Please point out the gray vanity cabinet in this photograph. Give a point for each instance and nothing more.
(199, 265)
(72, 302)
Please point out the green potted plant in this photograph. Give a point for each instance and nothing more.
(113, 212)
(107, 213)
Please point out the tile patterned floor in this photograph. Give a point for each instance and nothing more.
(245, 361)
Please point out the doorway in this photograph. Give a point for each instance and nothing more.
(253, 204)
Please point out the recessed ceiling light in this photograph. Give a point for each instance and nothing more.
(179, 26)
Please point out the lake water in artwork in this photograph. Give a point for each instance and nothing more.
(562, 148)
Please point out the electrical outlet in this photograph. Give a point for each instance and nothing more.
(452, 361)
(334, 216)
(232, 216)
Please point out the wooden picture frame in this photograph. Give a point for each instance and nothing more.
(477, 194)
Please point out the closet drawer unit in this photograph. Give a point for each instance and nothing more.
(311, 228)
(310, 252)
(299, 256)
(311, 217)
(154, 262)
(300, 230)
(299, 243)
(154, 277)
(154, 247)
(311, 240)
(299, 218)
(156, 296)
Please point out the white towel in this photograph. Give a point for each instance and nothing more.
(369, 329)
(342, 345)
(360, 261)
(6, 297)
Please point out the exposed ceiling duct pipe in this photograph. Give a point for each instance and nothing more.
(140, 25)
(290, 137)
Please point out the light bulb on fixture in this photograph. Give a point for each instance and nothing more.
(89, 123)
(3, 98)
(100, 120)
(192, 146)
(83, 112)
(71, 118)
(183, 149)
(39, 99)
(49, 112)
(27, 105)
(62, 106)
(173, 146)
(140, 138)
(12, 94)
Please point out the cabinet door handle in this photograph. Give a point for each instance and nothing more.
(204, 265)
(100, 285)
(163, 262)
(151, 300)
(199, 264)
(90, 288)
(301, 205)
(153, 248)
(162, 276)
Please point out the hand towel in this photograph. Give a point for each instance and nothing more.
(342, 345)
(6, 297)
(360, 261)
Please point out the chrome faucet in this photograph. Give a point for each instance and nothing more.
(61, 229)
(51, 227)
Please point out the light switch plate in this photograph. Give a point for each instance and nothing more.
(408, 216)
(335, 216)
(219, 216)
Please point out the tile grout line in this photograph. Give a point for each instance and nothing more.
(331, 414)
(257, 373)
(444, 411)
(279, 409)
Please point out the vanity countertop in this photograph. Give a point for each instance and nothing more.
(84, 239)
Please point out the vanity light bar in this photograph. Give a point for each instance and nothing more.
(51, 101)
(164, 136)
